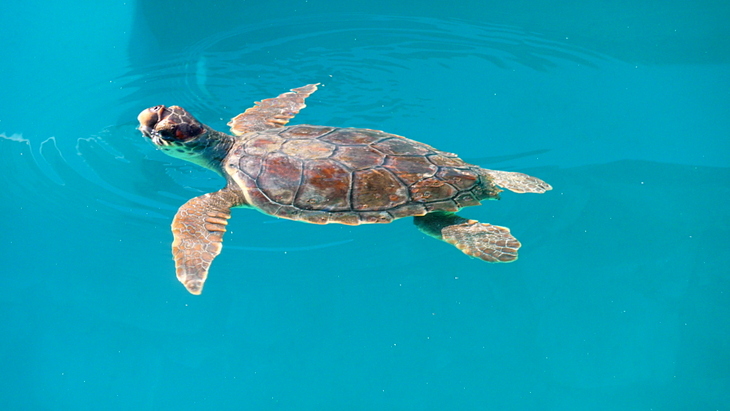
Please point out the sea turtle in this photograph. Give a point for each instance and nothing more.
(324, 175)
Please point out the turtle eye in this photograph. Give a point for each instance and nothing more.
(187, 131)
(167, 133)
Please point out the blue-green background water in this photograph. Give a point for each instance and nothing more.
(619, 301)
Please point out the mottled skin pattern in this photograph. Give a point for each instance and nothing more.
(198, 230)
(323, 175)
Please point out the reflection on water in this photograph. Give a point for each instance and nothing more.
(370, 56)
(287, 249)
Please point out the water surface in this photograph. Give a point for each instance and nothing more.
(619, 299)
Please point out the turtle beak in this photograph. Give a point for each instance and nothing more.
(148, 118)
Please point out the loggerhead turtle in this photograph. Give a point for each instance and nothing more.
(324, 175)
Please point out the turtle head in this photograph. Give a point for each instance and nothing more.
(167, 126)
(177, 133)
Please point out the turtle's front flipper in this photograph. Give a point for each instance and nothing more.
(272, 112)
(198, 228)
(488, 242)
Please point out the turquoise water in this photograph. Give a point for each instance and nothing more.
(619, 300)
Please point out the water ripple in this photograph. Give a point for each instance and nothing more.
(369, 60)
(366, 62)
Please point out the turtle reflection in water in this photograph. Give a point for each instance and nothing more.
(324, 175)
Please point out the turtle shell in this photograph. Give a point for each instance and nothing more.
(350, 176)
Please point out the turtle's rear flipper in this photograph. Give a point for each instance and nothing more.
(518, 182)
(198, 228)
(488, 242)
